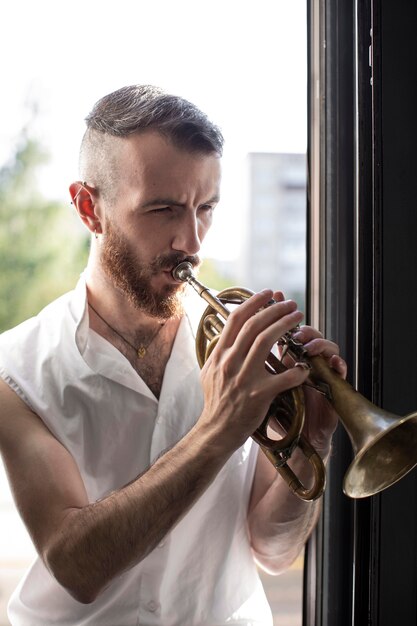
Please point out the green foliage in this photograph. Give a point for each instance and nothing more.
(210, 276)
(42, 250)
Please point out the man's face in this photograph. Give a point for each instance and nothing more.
(160, 216)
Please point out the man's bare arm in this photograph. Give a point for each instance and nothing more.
(279, 522)
(86, 545)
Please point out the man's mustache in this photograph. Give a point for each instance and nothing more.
(167, 262)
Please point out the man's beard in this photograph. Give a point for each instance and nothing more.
(134, 279)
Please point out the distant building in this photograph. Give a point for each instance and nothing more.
(274, 253)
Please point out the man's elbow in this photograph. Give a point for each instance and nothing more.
(275, 563)
(65, 570)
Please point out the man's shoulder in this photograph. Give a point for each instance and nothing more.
(29, 352)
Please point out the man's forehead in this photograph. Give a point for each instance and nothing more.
(154, 139)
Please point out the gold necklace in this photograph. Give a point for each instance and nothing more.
(142, 349)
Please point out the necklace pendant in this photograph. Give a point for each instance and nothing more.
(141, 352)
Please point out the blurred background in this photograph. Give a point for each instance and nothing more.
(245, 64)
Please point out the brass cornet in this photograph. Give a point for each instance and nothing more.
(385, 445)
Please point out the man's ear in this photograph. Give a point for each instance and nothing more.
(86, 206)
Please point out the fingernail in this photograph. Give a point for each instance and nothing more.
(303, 365)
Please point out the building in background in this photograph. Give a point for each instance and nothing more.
(274, 252)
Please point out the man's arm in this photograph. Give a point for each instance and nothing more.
(280, 522)
(86, 545)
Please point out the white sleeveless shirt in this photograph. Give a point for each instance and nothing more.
(96, 405)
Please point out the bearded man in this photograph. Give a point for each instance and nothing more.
(134, 473)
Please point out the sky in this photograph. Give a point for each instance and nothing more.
(242, 62)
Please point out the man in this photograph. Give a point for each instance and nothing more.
(138, 482)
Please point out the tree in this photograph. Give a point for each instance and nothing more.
(42, 249)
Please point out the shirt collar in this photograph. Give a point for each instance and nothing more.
(103, 358)
(79, 312)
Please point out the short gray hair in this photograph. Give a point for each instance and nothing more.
(141, 107)
(135, 109)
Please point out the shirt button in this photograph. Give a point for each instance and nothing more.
(152, 606)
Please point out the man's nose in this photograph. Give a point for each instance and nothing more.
(187, 237)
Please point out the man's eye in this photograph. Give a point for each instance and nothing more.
(162, 209)
(207, 207)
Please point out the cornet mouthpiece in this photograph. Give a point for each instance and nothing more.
(182, 272)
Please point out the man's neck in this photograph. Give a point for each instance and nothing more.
(141, 338)
(116, 307)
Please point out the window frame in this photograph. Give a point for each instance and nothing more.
(362, 558)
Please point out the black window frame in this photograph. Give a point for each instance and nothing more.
(361, 562)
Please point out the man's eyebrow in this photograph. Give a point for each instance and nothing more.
(161, 201)
(214, 199)
(171, 202)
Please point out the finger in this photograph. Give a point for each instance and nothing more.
(289, 379)
(240, 314)
(245, 324)
(261, 332)
(324, 347)
(278, 296)
(339, 365)
(259, 346)
(306, 333)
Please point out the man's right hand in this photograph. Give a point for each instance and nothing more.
(238, 389)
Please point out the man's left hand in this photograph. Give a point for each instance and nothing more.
(321, 418)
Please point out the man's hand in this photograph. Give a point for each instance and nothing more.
(321, 418)
(237, 387)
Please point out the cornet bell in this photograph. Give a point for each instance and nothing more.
(385, 445)
(389, 456)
